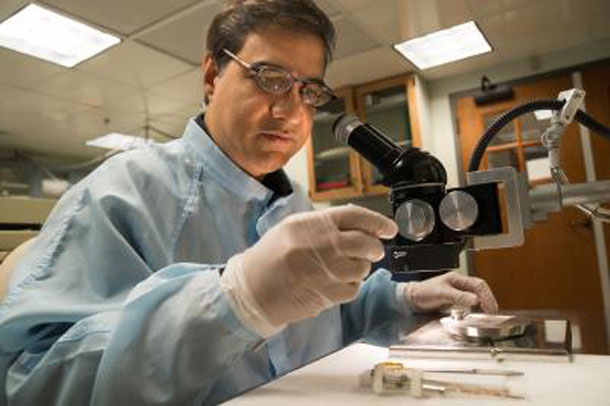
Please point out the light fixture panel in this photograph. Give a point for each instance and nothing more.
(47, 35)
(444, 46)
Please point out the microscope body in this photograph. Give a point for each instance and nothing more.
(435, 223)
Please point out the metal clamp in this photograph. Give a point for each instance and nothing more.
(574, 98)
(508, 177)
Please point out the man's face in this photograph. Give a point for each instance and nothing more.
(260, 132)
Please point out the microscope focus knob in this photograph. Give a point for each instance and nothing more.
(415, 219)
(458, 210)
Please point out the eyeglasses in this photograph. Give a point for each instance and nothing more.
(278, 81)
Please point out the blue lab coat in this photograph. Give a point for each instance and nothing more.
(118, 300)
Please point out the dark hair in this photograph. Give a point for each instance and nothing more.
(241, 17)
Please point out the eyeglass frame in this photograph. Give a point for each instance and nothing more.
(255, 69)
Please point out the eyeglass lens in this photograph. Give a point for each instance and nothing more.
(278, 82)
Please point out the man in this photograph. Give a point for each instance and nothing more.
(182, 273)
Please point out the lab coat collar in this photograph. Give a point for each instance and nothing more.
(277, 181)
(218, 165)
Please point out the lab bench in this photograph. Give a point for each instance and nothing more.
(337, 379)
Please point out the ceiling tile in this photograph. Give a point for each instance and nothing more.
(358, 68)
(174, 127)
(121, 16)
(135, 64)
(351, 39)
(175, 122)
(497, 32)
(600, 15)
(184, 37)
(8, 94)
(353, 5)
(484, 8)
(79, 126)
(188, 112)
(41, 135)
(538, 28)
(95, 122)
(381, 23)
(56, 144)
(145, 103)
(453, 12)
(10, 7)
(328, 7)
(22, 70)
(421, 17)
(84, 88)
(30, 105)
(187, 87)
(36, 127)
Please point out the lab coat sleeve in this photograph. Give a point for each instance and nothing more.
(378, 304)
(173, 336)
(92, 318)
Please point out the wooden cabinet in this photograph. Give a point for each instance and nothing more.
(333, 168)
(336, 171)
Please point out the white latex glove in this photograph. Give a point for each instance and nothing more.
(450, 289)
(305, 264)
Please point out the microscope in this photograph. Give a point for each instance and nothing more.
(436, 223)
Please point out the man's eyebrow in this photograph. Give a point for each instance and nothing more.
(275, 65)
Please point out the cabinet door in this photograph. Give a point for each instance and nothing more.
(389, 106)
(334, 169)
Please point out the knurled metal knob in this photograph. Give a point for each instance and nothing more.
(415, 219)
(458, 210)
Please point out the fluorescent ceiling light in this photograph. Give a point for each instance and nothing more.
(542, 115)
(118, 141)
(441, 47)
(43, 34)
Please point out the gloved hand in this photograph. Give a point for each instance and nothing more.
(450, 289)
(305, 264)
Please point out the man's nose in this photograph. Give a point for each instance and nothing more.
(289, 105)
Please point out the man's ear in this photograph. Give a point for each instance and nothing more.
(210, 73)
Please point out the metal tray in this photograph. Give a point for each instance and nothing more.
(480, 326)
